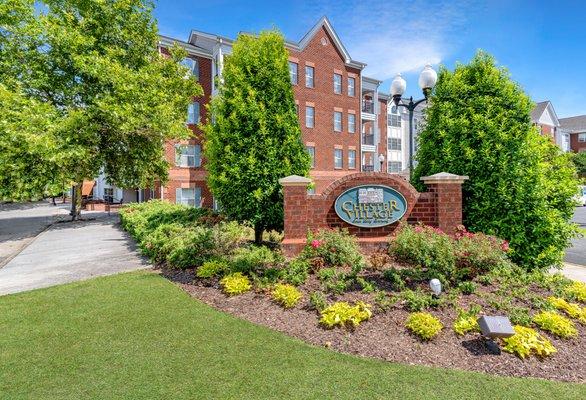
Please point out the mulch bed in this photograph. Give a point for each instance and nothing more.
(385, 337)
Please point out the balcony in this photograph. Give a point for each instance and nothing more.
(368, 140)
(368, 106)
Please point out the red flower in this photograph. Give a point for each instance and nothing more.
(505, 246)
(315, 244)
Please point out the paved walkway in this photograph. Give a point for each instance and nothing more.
(576, 254)
(68, 252)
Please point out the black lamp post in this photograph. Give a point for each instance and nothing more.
(427, 80)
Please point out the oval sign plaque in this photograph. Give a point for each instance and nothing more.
(370, 206)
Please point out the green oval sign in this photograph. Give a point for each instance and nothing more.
(370, 206)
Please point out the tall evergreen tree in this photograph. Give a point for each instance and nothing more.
(93, 69)
(255, 137)
(521, 185)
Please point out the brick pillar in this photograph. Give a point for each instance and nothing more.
(448, 199)
(295, 212)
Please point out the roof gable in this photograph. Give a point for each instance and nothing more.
(544, 113)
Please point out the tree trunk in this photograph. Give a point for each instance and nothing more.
(258, 230)
(76, 201)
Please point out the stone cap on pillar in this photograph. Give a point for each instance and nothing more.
(444, 177)
(295, 180)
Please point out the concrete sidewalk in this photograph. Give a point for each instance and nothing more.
(575, 272)
(72, 251)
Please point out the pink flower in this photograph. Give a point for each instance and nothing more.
(315, 244)
(505, 246)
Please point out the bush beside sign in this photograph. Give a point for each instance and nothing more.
(370, 206)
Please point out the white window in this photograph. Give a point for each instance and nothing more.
(395, 166)
(188, 196)
(581, 137)
(351, 86)
(337, 83)
(188, 155)
(338, 155)
(337, 121)
(109, 195)
(351, 123)
(394, 118)
(192, 66)
(351, 159)
(394, 143)
(193, 113)
(309, 117)
(311, 151)
(293, 72)
(309, 71)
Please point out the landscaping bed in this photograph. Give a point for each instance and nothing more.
(380, 305)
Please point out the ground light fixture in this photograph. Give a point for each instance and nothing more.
(436, 286)
(427, 81)
(494, 327)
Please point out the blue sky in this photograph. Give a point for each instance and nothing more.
(542, 43)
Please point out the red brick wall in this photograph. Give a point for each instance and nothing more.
(575, 145)
(440, 206)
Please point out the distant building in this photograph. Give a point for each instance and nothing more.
(576, 128)
(545, 117)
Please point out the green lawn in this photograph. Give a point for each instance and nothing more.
(137, 336)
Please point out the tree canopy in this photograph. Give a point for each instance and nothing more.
(255, 137)
(83, 89)
(521, 184)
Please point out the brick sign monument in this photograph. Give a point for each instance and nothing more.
(370, 205)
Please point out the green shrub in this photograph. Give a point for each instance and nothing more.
(254, 259)
(416, 300)
(235, 284)
(213, 268)
(527, 341)
(467, 321)
(576, 291)
(317, 300)
(367, 286)
(467, 287)
(157, 244)
(286, 295)
(556, 324)
(383, 301)
(424, 325)
(477, 253)
(395, 279)
(573, 310)
(296, 272)
(335, 281)
(333, 248)
(426, 247)
(345, 315)
(520, 316)
(191, 248)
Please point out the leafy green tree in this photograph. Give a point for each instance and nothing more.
(580, 163)
(255, 138)
(521, 185)
(93, 72)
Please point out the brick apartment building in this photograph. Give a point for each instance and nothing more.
(342, 115)
(576, 127)
(545, 118)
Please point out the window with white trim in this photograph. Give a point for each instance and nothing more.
(309, 116)
(293, 67)
(351, 86)
(581, 137)
(192, 66)
(109, 195)
(395, 166)
(311, 151)
(351, 123)
(394, 117)
(187, 155)
(337, 84)
(193, 113)
(188, 196)
(337, 121)
(338, 158)
(394, 143)
(351, 159)
(309, 73)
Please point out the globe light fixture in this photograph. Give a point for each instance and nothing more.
(381, 160)
(427, 81)
(436, 286)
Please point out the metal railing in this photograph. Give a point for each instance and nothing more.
(368, 140)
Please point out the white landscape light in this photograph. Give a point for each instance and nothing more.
(436, 286)
(428, 78)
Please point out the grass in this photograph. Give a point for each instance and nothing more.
(137, 336)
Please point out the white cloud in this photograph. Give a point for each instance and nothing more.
(399, 36)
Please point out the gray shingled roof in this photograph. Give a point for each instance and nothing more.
(538, 111)
(574, 124)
